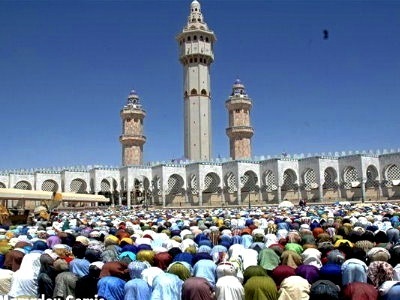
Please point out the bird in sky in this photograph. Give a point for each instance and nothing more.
(326, 34)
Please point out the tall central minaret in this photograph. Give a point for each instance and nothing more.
(196, 55)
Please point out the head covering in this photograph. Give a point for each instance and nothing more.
(167, 286)
(111, 287)
(115, 268)
(282, 272)
(268, 259)
(197, 288)
(226, 269)
(308, 272)
(205, 268)
(150, 273)
(359, 291)
(354, 270)
(137, 289)
(136, 268)
(291, 259)
(294, 288)
(180, 270)
(146, 255)
(162, 260)
(379, 272)
(229, 287)
(324, 289)
(260, 288)
(252, 271)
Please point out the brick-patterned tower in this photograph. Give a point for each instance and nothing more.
(196, 55)
(132, 138)
(239, 130)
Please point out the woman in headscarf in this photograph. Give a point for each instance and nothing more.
(162, 260)
(24, 281)
(111, 249)
(324, 289)
(282, 272)
(197, 288)
(115, 268)
(137, 288)
(13, 258)
(268, 259)
(354, 270)
(86, 286)
(308, 272)
(379, 272)
(294, 288)
(229, 288)
(260, 288)
(359, 291)
(312, 256)
(332, 270)
(150, 273)
(291, 258)
(180, 269)
(146, 255)
(166, 286)
(252, 271)
(111, 288)
(205, 268)
(390, 290)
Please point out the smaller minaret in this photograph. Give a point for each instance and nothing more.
(132, 138)
(239, 130)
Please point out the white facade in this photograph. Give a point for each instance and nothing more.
(232, 182)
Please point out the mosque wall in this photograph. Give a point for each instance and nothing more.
(317, 179)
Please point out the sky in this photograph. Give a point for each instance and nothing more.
(66, 69)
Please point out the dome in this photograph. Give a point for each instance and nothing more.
(237, 81)
(195, 4)
(132, 92)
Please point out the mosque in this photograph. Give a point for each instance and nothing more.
(200, 180)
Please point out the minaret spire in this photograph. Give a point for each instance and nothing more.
(196, 55)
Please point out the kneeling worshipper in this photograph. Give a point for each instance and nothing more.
(166, 286)
(260, 288)
(24, 282)
(197, 288)
(111, 288)
(229, 288)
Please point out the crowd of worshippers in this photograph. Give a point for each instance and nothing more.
(314, 252)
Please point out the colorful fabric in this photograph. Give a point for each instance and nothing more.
(260, 288)
(197, 288)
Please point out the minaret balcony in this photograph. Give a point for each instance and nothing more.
(238, 103)
(240, 132)
(133, 113)
(132, 139)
